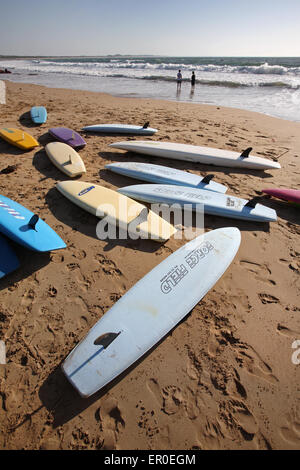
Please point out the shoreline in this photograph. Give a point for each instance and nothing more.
(151, 98)
(223, 378)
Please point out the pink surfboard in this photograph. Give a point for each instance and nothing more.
(290, 195)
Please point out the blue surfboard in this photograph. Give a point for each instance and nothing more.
(26, 228)
(38, 114)
(8, 259)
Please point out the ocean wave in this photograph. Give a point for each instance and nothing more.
(212, 82)
(139, 64)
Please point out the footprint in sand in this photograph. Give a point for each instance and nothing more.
(169, 398)
(112, 422)
(108, 266)
(268, 299)
(28, 298)
(250, 360)
(283, 330)
(57, 258)
(260, 271)
(291, 431)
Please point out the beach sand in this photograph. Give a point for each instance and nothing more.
(224, 377)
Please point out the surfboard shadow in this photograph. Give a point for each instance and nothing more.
(61, 399)
(7, 148)
(30, 262)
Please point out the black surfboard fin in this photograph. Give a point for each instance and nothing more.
(245, 153)
(146, 125)
(106, 339)
(33, 221)
(252, 203)
(207, 179)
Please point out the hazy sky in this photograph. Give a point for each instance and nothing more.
(161, 27)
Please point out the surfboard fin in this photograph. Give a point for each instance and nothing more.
(106, 339)
(207, 179)
(252, 203)
(33, 221)
(146, 125)
(70, 160)
(245, 153)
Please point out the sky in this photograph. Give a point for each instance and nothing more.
(157, 27)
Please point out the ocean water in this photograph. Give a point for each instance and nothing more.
(267, 85)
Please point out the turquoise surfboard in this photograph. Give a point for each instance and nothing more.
(8, 259)
(26, 228)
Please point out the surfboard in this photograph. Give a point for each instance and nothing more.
(38, 114)
(26, 228)
(121, 129)
(198, 200)
(67, 136)
(117, 209)
(19, 138)
(290, 195)
(8, 259)
(165, 175)
(150, 309)
(65, 158)
(194, 153)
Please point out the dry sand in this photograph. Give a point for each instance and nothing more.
(223, 378)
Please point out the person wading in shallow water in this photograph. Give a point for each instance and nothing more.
(193, 79)
(179, 79)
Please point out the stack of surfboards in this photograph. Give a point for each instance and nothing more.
(149, 310)
(194, 153)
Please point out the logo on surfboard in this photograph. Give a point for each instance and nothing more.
(177, 273)
(86, 190)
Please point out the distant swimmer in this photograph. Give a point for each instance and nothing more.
(179, 79)
(193, 79)
(5, 71)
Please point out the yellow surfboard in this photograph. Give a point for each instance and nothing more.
(65, 158)
(18, 137)
(117, 209)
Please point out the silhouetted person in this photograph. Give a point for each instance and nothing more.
(179, 79)
(193, 79)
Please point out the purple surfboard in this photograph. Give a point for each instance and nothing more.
(291, 195)
(67, 136)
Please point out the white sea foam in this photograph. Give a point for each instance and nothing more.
(267, 86)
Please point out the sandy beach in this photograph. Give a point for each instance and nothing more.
(224, 377)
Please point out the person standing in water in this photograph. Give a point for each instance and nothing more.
(179, 79)
(193, 79)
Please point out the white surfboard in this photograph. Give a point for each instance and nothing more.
(117, 209)
(198, 200)
(121, 129)
(194, 153)
(165, 175)
(149, 310)
(65, 158)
